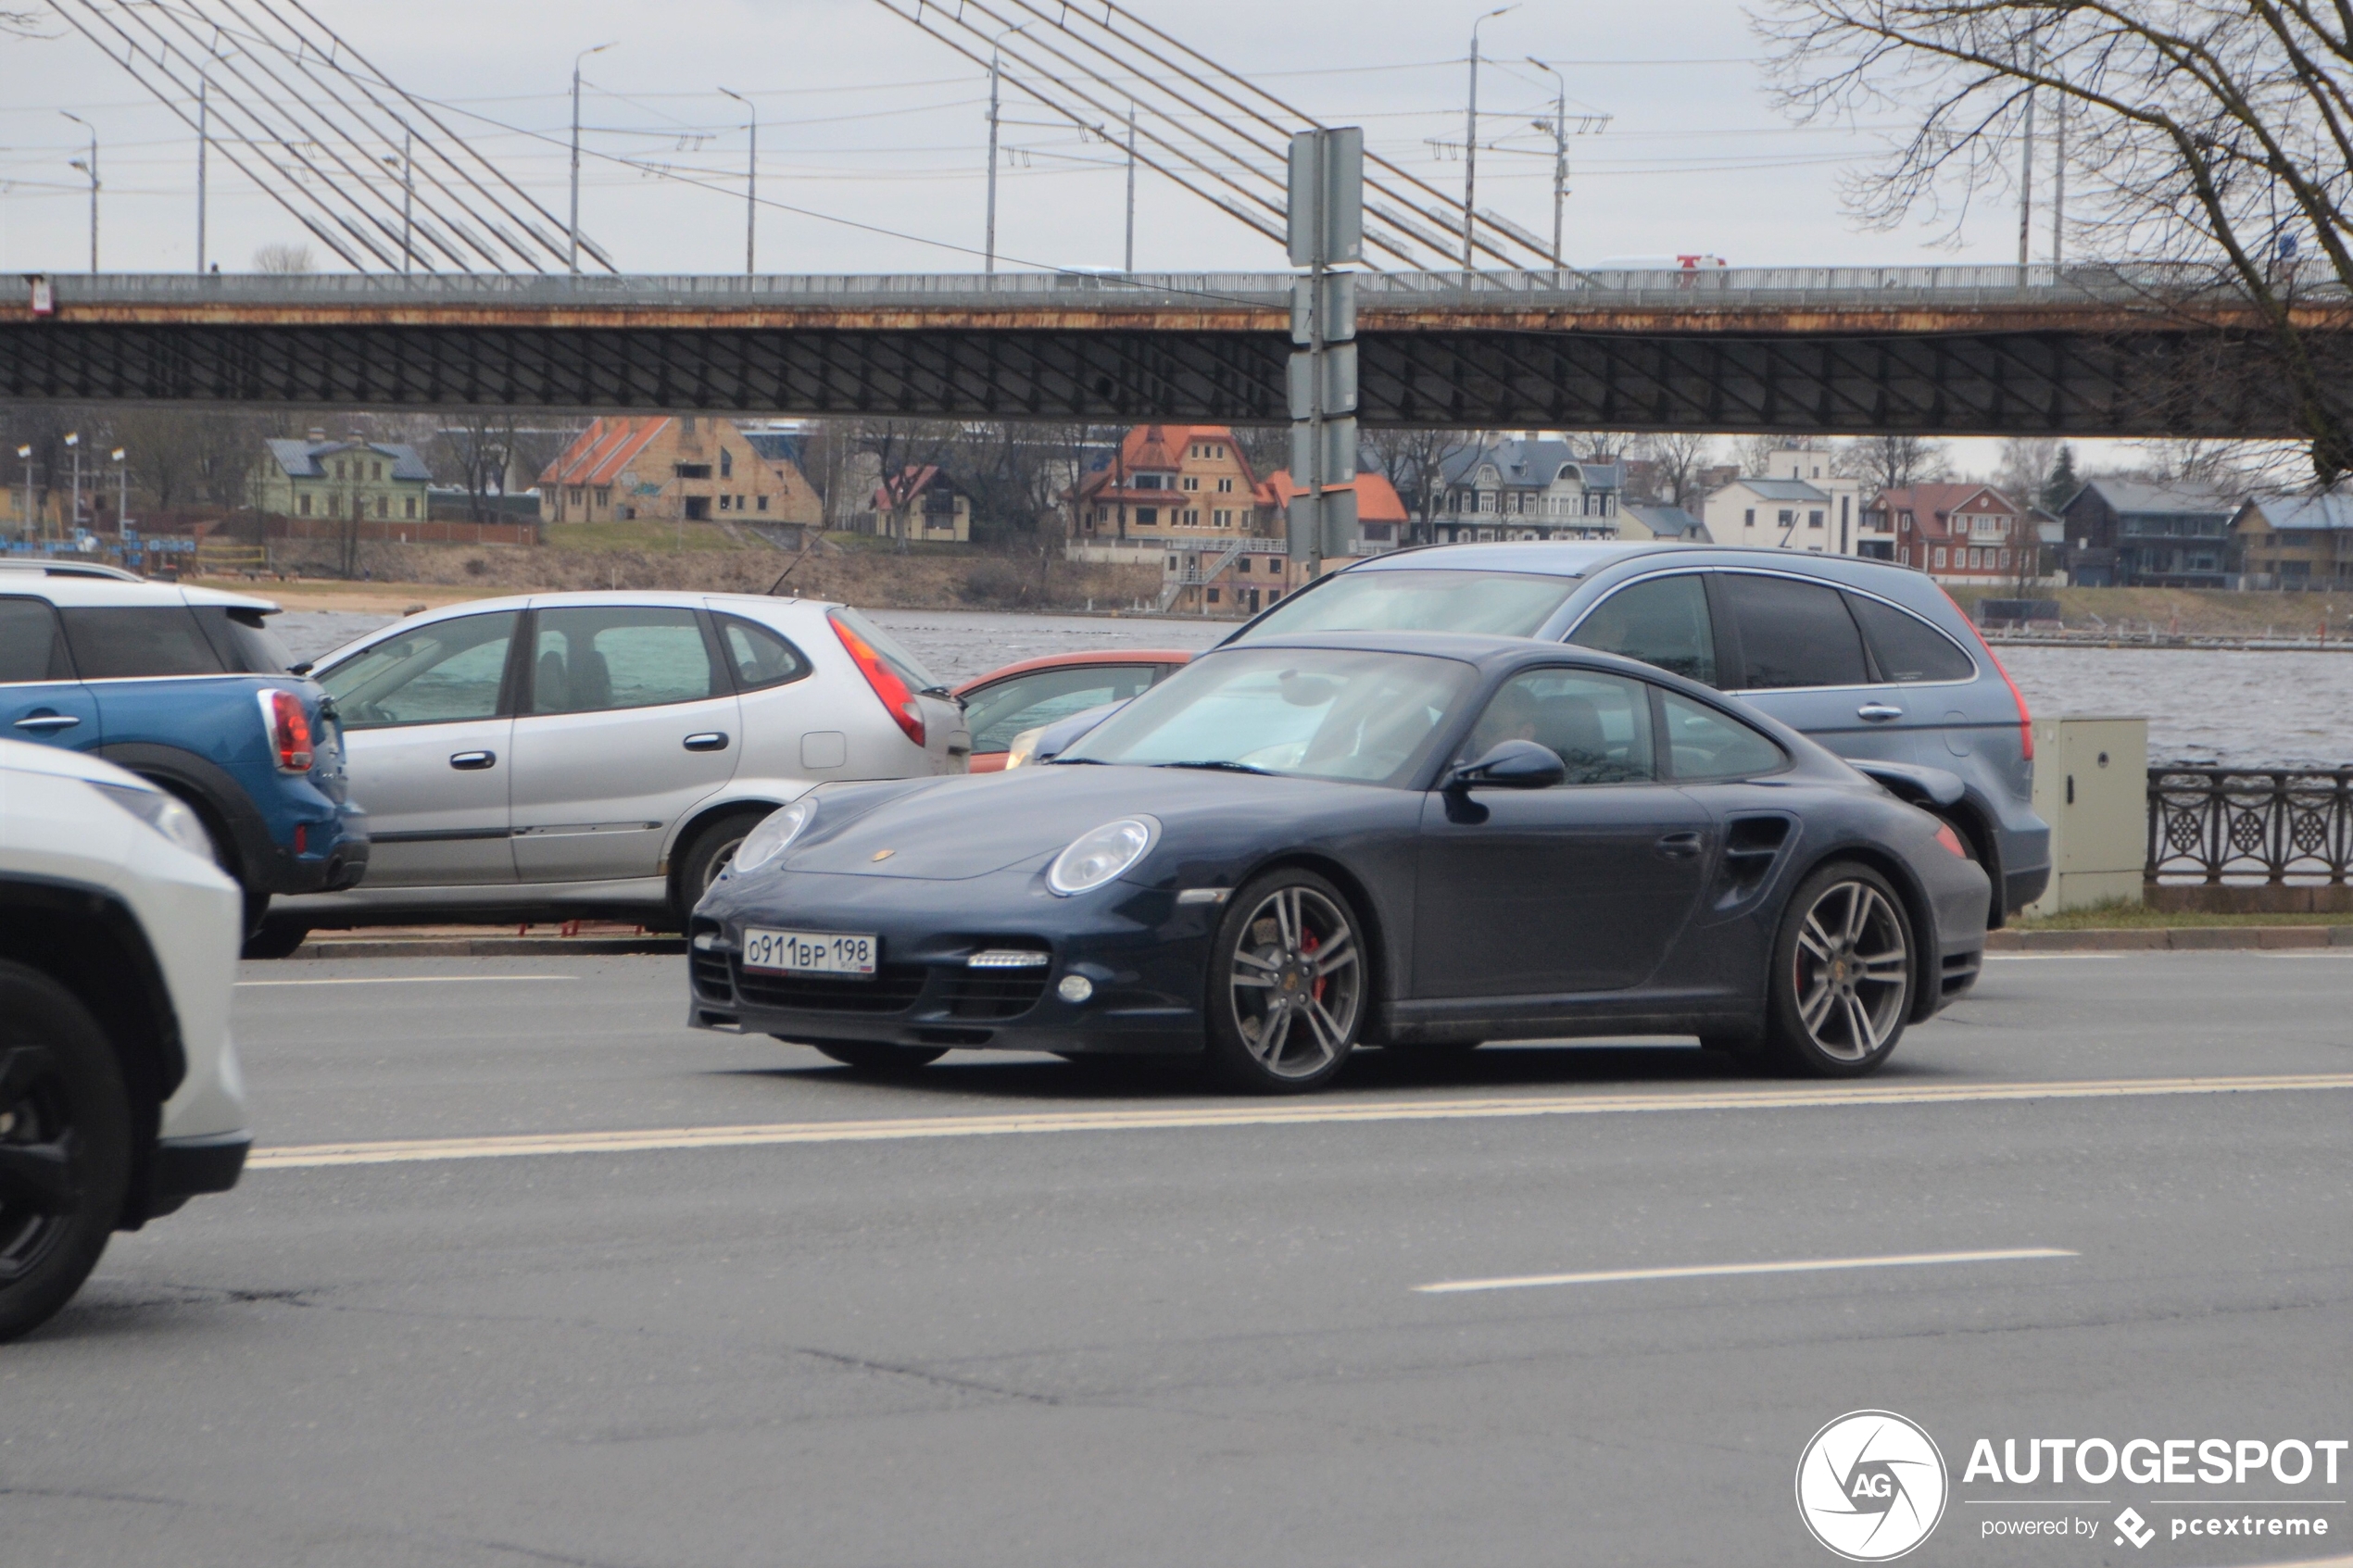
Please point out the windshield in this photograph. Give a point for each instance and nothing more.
(1502, 604)
(1360, 718)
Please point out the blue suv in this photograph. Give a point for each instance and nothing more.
(1873, 659)
(189, 689)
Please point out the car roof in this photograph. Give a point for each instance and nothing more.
(1485, 651)
(83, 590)
(71, 568)
(1587, 559)
(1069, 660)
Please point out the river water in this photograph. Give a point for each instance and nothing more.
(2244, 710)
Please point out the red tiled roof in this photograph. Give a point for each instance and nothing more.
(1157, 449)
(1377, 499)
(905, 487)
(600, 452)
(1932, 505)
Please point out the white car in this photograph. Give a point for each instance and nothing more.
(565, 755)
(119, 1096)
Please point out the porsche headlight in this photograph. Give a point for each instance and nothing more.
(1093, 858)
(166, 813)
(1025, 748)
(772, 838)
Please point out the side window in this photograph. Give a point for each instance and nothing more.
(1662, 621)
(1703, 744)
(760, 657)
(1791, 634)
(437, 674)
(604, 657)
(30, 646)
(1908, 648)
(1599, 725)
(1000, 712)
(123, 642)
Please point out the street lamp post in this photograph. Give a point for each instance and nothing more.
(121, 491)
(90, 169)
(24, 458)
(751, 183)
(988, 261)
(573, 249)
(1470, 137)
(1559, 129)
(74, 444)
(408, 196)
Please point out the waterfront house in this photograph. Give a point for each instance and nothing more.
(1959, 533)
(687, 468)
(2131, 534)
(2295, 543)
(354, 478)
(1526, 488)
(1171, 485)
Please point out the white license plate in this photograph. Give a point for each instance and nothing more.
(811, 952)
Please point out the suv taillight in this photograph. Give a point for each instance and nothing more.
(2025, 720)
(288, 728)
(896, 699)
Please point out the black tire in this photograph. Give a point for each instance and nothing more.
(276, 938)
(880, 1062)
(1845, 968)
(65, 1147)
(1289, 984)
(707, 855)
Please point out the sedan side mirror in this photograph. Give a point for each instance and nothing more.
(1512, 764)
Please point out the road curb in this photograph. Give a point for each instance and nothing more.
(492, 947)
(2176, 939)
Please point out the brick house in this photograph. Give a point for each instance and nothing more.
(354, 478)
(1961, 534)
(687, 468)
(1175, 484)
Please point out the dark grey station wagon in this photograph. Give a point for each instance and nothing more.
(1871, 659)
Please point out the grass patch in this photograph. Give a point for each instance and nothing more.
(2140, 917)
(652, 537)
(880, 545)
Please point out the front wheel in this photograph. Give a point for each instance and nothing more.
(1287, 985)
(65, 1147)
(1842, 973)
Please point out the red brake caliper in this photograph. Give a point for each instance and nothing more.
(1308, 943)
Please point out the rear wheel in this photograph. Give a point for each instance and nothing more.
(880, 1062)
(1287, 985)
(1842, 973)
(65, 1147)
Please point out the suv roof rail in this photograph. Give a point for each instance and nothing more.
(72, 569)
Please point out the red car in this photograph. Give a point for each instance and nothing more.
(1003, 703)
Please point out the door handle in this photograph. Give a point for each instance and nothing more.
(1679, 846)
(710, 740)
(473, 761)
(48, 722)
(1877, 712)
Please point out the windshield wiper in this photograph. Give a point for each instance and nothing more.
(1061, 761)
(1221, 768)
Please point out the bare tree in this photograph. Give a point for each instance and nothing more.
(2218, 137)
(1413, 461)
(1677, 457)
(285, 259)
(1891, 462)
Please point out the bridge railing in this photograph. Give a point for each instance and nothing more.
(1725, 287)
(2237, 824)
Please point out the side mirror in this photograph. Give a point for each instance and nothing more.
(1512, 764)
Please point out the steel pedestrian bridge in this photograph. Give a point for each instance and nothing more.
(2005, 350)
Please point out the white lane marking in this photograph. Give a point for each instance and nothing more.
(1705, 1271)
(412, 980)
(1255, 1115)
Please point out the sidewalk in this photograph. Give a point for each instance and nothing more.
(2178, 939)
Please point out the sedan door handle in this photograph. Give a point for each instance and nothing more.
(1877, 712)
(1679, 846)
(710, 740)
(48, 722)
(473, 761)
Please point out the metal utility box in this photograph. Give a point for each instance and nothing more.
(2091, 784)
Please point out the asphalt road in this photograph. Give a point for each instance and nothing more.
(1111, 1319)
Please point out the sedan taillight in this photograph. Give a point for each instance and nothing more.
(288, 728)
(901, 702)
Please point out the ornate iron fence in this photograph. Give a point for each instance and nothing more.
(2250, 825)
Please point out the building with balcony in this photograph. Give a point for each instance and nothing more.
(1172, 485)
(2131, 534)
(2295, 543)
(1526, 488)
(1958, 533)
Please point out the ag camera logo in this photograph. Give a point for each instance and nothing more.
(1870, 1485)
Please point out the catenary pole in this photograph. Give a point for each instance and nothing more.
(1470, 141)
(751, 185)
(572, 249)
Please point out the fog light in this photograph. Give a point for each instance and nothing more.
(1075, 988)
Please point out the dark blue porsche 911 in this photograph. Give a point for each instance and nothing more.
(1298, 845)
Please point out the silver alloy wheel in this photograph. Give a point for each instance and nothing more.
(1854, 971)
(1297, 983)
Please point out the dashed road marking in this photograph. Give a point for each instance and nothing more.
(1708, 1271)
